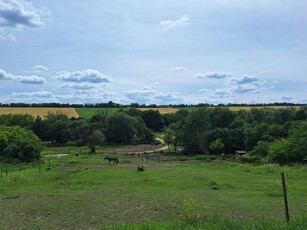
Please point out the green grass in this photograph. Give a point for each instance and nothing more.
(87, 113)
(215, 223)
(123, 198)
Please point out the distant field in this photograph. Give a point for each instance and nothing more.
(161, 110)
(237, 108)
(42, 112)
(89, 112)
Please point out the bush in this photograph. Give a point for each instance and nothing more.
(19, 144)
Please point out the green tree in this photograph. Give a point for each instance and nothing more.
(19, 144)
(291, 149)
(95, 139)
(261, 150)
(221, 117)
(169, 136)
(22, 120)
(80, 130)
(193, 128)
(153, 120)
(217, 145)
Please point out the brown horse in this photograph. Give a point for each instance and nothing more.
(112, 159)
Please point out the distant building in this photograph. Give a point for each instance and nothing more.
(240, 152)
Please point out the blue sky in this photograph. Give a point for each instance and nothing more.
(163, 52)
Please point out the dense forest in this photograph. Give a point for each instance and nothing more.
(266, 134)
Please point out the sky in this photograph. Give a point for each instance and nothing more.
(153, 52)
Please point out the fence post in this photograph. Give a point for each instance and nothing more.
(6, 172)
(283, 182)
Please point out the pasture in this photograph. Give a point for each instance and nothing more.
(87, 113)
(85, 192)
(42, 112)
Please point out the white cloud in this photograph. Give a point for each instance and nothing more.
(30, 79)
(78, 86)
(246, 79)
(169, 24)
(205, 90)
(19, 13)
(214, 75)
(155, 83)
(245, 89)
(221, 93)
(89, 75)
(5, 76)
(150, 96)
(41, 94)
(40, 68)
(286, 98)
(178, 69)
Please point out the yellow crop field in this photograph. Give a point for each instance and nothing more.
(237, 108)
(161, 110)
(232, 108)
(42, 112)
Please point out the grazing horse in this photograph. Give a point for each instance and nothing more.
(112, 159)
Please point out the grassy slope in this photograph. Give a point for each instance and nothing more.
(91, 197)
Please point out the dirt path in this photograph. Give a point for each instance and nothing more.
(130, 165)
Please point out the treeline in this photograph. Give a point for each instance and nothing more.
(57, 128)
(266, 134)
(111, 104)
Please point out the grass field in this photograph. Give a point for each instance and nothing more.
(42, 112)
(99, 194)
(89, 112)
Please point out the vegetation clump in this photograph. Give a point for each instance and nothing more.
(18, 144)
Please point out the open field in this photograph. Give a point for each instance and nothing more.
(89, 112)
(42, 112)
(161, 110)
(99, 194)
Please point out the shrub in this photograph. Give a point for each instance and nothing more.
(19, 144)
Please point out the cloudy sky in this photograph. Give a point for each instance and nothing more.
(163, 52)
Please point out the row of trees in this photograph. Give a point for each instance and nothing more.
(261, 132)
(111, 104)
(201, 131)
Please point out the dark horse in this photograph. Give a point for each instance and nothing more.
(112, 159)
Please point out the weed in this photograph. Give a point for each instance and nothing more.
(192, 213)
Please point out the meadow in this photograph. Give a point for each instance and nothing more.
(82, 191)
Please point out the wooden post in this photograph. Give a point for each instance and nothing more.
(283, 182)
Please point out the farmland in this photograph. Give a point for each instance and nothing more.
(42, 112)
(99, 194)
(89, 112)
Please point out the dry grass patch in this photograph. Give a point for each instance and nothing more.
(161, 110)
(42, 112)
